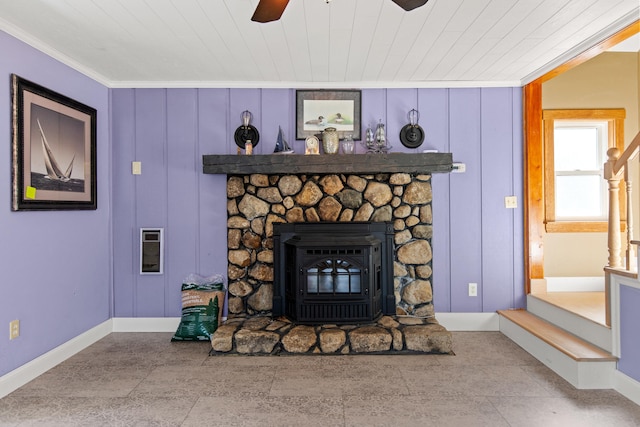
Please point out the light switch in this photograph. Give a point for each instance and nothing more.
(136, 168)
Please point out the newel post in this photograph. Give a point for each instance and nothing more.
(613, 179)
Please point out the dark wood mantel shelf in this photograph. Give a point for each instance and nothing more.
(325, 163)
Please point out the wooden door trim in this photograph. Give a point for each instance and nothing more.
(534, 157)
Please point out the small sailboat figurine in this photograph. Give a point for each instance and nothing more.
(281, 145)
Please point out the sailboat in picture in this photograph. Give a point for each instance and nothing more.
(54, 172)
(281, 144)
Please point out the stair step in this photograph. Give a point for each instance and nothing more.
(565, 342)
(591, 331)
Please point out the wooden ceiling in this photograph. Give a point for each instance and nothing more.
(345, 43)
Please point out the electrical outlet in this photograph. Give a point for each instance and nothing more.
(511, 202)
(459, 168)
(473, 289)
(14, 329)
(136, 168)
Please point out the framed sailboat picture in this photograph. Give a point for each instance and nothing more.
(54, 150)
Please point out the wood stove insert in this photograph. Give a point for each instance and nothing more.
(333, 271)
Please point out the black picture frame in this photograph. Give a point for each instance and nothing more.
(317, 109)
(53, 150)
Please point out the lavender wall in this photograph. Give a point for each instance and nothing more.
(56, 270)
(475, 238)
(629, 343)
(168, 131)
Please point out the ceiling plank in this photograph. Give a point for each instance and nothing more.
(356, 43)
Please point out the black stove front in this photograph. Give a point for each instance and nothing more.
(333, 272)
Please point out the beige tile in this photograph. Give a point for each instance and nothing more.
(148, 349)
(565, 412)
(60, 411)
(421, 411)
(337, 379)
(266, 411)
(237, 361)
(69, 381)
(197, 381)
(471, 380)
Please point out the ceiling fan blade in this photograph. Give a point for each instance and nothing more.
(410, 4)
(269, 10)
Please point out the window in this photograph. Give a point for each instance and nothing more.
(576, 144)
(579, 153)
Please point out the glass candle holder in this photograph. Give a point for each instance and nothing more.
(347, 144)
(330, 141)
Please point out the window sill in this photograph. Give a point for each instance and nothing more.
(580, 226)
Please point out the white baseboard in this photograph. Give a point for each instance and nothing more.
(451, 321)
(38, 366)
(575, 284)
(469, 321)
(145, 324)
(627, 386)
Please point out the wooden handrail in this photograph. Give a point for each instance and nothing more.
(629, 154)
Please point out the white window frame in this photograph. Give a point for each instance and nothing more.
(601, 127)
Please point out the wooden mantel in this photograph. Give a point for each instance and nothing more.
(327, 163)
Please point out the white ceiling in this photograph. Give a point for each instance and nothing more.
(346, 43)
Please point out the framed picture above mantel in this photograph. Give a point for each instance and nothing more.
(53, 150)
(320, 109)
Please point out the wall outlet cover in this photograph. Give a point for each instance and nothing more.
(473, 289)
(136, 168)
(511, 202)
(14, 329)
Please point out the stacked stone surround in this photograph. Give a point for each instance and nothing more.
(256, 201)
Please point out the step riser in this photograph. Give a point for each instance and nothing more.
(596, 334)
(582, 375)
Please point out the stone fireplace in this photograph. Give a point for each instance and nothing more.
(383, 230)
(256, 202)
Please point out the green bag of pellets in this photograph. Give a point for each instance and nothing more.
(202, 302)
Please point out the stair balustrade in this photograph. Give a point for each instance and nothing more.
(616, 169)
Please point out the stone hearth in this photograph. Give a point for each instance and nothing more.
(389, 335)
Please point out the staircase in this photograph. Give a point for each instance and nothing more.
(572, 346)
(578, 349)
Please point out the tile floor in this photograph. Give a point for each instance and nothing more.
(142, 379)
